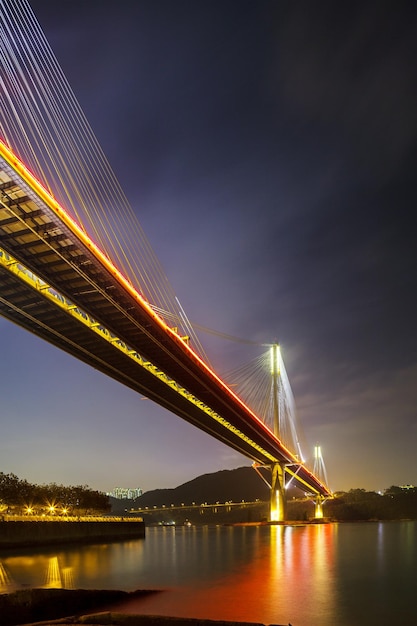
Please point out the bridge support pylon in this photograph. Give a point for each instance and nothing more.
(277, 499)
(318, 506)
(278, 494)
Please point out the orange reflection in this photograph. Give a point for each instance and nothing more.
(287, 563)
(53, 575)
(6, 581)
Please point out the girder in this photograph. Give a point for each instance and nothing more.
(23, 300)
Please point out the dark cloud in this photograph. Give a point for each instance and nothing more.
(350, 69)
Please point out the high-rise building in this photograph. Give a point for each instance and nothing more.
(125, 493)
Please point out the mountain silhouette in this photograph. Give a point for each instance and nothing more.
(236, 485)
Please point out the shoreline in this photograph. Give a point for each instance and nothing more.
(120, 619)
(76, 606)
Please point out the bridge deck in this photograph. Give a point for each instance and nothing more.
(38, 233)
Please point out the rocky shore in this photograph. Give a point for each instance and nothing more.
(69, 606)
(115, 619)
(33, 605)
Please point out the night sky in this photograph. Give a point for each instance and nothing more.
(268, 149)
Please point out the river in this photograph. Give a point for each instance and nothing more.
(311, 575)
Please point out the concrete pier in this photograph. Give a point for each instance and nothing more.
(16, 534)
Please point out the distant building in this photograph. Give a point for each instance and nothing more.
(125, 494)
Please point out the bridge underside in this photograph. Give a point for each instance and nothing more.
(38, 237)
(29, 309)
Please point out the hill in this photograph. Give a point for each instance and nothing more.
(244, 484)
(235, 485)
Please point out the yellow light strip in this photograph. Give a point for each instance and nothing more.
(27, 276)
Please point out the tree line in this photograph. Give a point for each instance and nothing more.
(20, 496)
(358, 504)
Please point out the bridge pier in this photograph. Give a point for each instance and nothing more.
(318, 507)
(278, 493)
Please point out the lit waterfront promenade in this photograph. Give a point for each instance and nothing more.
(69, 518)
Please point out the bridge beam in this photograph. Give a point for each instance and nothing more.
(278, 493)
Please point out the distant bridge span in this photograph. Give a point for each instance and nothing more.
(58, 284)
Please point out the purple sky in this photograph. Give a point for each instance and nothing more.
(269, 151)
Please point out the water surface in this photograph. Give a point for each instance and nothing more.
(324, 575)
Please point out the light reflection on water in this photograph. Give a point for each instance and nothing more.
(328, 574)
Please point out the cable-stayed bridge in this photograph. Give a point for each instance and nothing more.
(108, 304)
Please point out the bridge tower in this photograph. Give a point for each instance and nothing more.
(277, 497)
(319, 470)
